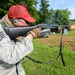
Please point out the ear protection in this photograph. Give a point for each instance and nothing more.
(15, 21)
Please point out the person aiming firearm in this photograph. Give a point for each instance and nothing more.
(11, 52)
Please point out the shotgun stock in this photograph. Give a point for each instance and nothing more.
(20, 31)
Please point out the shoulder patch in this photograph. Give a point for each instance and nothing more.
(1, 36)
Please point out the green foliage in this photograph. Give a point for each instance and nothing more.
(60, 17)
(43, 15)
(4, 6)
(72, 21)
(29, 3)
(71, 33)
(50, 19)
(44, 10)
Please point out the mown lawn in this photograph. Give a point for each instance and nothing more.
(49, 51)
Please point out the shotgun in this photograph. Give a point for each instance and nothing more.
(14, 32)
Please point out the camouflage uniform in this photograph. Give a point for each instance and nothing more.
(12, 52)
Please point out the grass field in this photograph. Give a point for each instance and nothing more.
(46, 49)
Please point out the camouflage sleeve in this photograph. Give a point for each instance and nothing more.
(11, 52)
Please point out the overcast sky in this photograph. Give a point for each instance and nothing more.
(62, 4)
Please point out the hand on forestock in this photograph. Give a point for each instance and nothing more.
(35, 32)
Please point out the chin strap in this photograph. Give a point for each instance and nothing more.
(59, 55)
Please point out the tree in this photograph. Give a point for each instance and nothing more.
(44, 10)
(5, 4)
(31, 6)
(50, 19)
(62, 17)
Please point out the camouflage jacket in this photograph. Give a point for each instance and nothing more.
(12, 52)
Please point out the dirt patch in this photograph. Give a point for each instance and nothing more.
(55, 40)
(73, 48)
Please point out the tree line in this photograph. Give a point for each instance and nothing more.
(43, 15)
